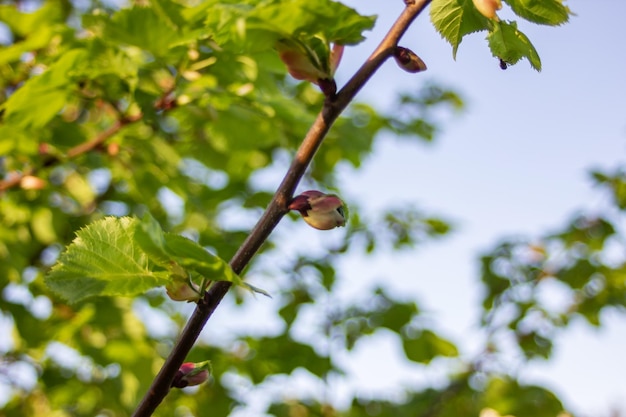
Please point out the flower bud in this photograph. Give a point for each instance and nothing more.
(182, 289)
(320, 211)
(190, 374)
(30, 182)
(304, 64)
(408, 60)
(488, 8)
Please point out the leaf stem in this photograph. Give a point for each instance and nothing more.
(277, 207)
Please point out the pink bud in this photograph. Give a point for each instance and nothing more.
(408, 60)
(298, 63)
(335, 57)
(320, 211)
(488, 8)
(304, 64)
(190, 374)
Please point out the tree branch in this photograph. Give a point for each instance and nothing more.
(14, 178)
(277, 207)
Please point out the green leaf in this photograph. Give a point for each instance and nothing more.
(579, 274)
(151, 239)
(259, 24)
(544, 12)
(511, 45)
(426, 346)
(454, 19)
(42, 97)
(333, 20)
(167, 248)
(103, 260)
(151, 29)
(529, 400)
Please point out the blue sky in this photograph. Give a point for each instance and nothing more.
(515, 163)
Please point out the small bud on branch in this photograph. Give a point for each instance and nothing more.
(408, 60)
(319, 210)
(488, 8)
(190, 374)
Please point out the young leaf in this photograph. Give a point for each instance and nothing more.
(148, 28)
(168, 248)
(151, 239)
(545, 12)
(511, 45)
(454, 19)
(43, 96)
(103, 260)
(332, 20)
(194, 257)
(427, 346)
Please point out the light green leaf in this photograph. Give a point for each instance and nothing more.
(151, 239)
(103, 260)
(24, 24)
(511, 45)
(454, 19)
(145, 27)
(544, 12)
(42, 97)
(192, 256)
(170, 249)
(333, 20)
(260, 24)
(426, 346)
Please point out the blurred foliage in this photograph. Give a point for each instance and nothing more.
(172, 108)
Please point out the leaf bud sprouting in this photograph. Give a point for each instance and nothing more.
(190, 374)
(488, 8)
(320, 211)
(408, 60)
(303, 63)
(183, 289)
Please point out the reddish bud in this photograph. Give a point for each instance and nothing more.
(30, 182)
(488, 8)
(113, 149)
(320, 211)
(304, 64)
(190, 374)
(408, 60)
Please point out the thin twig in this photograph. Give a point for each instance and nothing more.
(103, 136)
(276, 209)
(165, 102)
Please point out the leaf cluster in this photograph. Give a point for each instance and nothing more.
(455, 19)
(522, 276)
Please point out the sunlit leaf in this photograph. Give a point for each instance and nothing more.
(102, 260)
(545, 12)
(454, 19)
(510, 45)
(426, 346)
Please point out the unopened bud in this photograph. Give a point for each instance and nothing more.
(408, 60)
(182, 289)
(488, 8)
(304, 64)
(30, 182)
(190, 374)
(319, 210)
